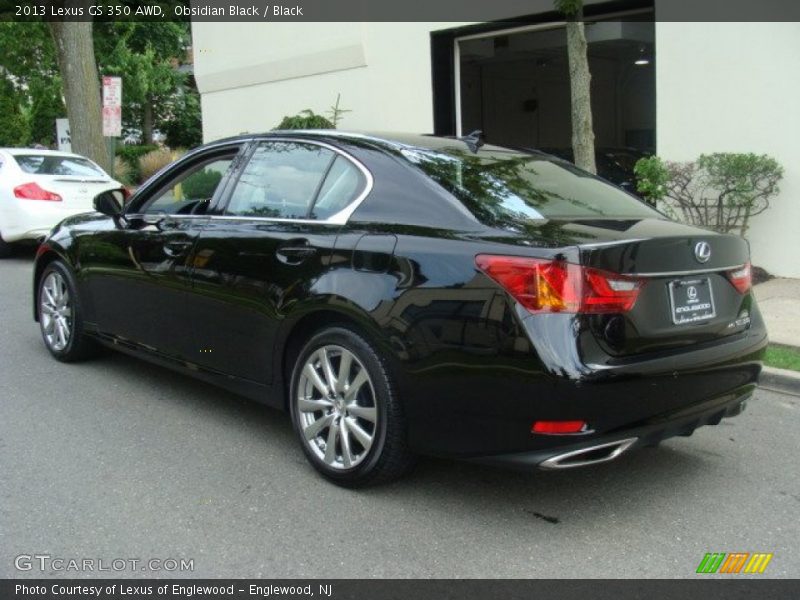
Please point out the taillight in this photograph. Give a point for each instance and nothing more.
(32, 191)
(542, 285)
(741, 278)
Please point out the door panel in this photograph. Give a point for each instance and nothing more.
(246, 275)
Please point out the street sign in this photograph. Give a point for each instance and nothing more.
(62, 135)
(112, 106)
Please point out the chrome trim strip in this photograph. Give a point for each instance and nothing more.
(339, 218)
(682, 273)
(555, 461)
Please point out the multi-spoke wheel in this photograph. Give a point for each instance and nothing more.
(345, 411)
(59, 314)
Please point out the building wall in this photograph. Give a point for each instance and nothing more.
(729, 87)
(734, 87)
(251, 75)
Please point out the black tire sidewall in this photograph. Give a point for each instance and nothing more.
(72, 351)
(353, 342)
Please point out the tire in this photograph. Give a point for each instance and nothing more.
(61, 315)
(5, 248)
(357, 436)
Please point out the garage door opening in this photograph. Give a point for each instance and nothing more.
(514, 86)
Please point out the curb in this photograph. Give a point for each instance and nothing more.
(780, 380)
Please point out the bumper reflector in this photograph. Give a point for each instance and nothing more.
(558, 427)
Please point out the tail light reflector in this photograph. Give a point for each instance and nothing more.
(558, 427)
(33, 191)
(741, 278)
(543, 285)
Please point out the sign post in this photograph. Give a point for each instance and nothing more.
(112, 113)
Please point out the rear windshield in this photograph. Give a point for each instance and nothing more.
(43, 164)
(503, 185)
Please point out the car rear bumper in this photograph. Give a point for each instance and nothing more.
(592, 450)
(34, 220)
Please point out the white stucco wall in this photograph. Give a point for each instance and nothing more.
(251, 74)
(734, 87)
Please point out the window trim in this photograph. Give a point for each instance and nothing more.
(339, 218)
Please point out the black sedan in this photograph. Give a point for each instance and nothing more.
(405, 295)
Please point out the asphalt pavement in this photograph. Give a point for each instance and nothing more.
(118, 459)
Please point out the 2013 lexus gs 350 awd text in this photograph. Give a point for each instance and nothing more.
(405, 295)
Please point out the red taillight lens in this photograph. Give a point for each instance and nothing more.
(558, 286)
(558, 427)
(32, 191)
(741, 278)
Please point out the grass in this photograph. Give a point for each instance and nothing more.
(783, 357)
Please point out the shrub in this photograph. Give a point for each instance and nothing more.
(152, 162)
(722, 191)
(122, 171)
(306, 119)
(201, 185)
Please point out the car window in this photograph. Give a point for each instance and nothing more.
(508, 186)
(280, 181)
(44, 164)
(341, 186)
(190, 191)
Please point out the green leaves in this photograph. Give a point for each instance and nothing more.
(569, 8)
(722, 190)
(305, 119)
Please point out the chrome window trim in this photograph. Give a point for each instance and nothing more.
(339, 218)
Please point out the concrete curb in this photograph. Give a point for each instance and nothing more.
(780, 380)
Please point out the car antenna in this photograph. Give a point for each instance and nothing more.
(473, 141)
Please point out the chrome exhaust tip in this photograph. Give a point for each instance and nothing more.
(588, 456)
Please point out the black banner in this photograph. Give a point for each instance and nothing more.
(386, 589)
(516, 11)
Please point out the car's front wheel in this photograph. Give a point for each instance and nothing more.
(61, 316)
(346, 412)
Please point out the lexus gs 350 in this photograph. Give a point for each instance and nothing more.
(403, 295)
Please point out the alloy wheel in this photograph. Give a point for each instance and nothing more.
(336, 407)
(55, 310)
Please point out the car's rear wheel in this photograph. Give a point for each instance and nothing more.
(61, 315)
(346, 412)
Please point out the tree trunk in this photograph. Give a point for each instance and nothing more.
(75, 51)
(580, 80)
(147, 123)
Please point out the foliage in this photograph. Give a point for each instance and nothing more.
(14, 129)
(651, 178)
(782, 357)
(306, 119)
(569, 8)
(152, 162)
(723, 190)
(46, 106)
(336, 113)
(183, 128)
(123, 171)
(130, 154)
(201, 185)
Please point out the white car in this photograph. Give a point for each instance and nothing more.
(39, 188)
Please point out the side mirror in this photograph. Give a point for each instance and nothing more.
(110, 202)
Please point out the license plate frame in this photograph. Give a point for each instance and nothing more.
(691, 301)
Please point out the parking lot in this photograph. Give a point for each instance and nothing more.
(116, 458)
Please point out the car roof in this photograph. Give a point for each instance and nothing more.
(390, 140)
(45, 152)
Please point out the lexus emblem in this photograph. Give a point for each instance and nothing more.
(691, 292)
(702, 251)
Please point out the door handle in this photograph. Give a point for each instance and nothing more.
(294, 252)
(176, 248)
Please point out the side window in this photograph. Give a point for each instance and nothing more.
(280, 181)
(190, 191)
(343, 183)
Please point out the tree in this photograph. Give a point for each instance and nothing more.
(580, 83)
(14, 130)
(76, 61)
(723, 190)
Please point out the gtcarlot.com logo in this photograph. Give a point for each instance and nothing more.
(734, 562)
(45, 562)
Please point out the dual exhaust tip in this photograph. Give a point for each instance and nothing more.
(588, 456)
